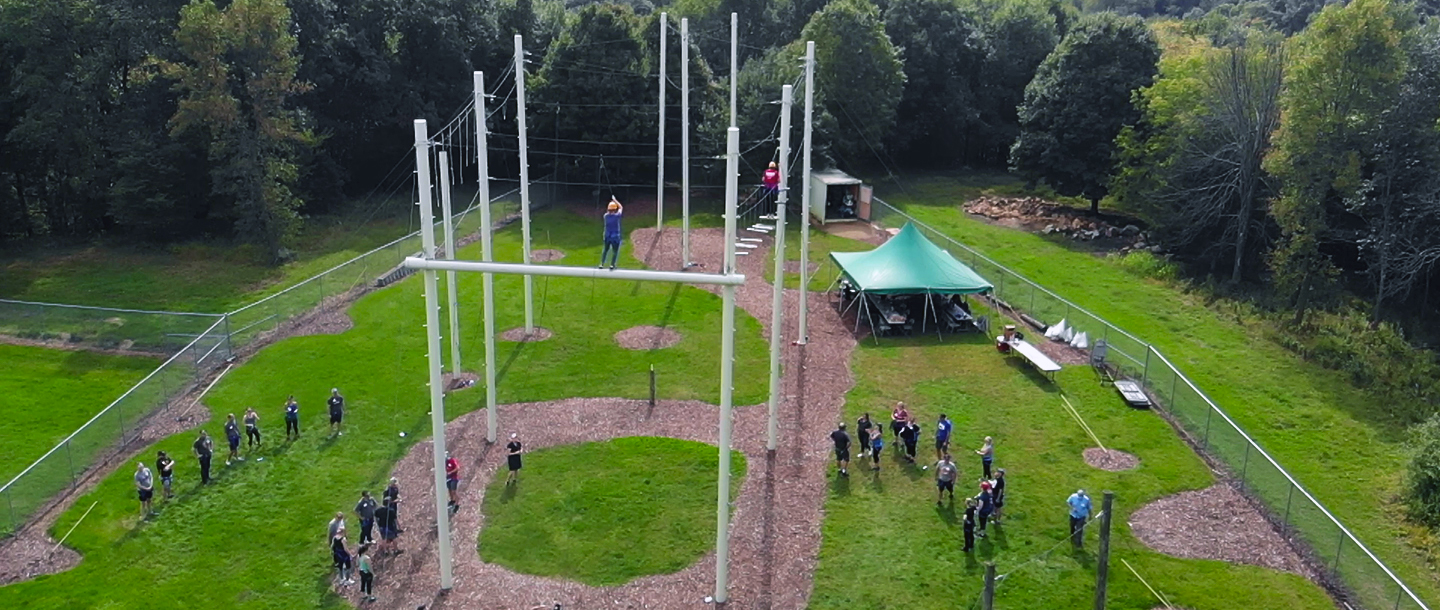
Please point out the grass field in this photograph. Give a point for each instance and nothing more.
(207, 277)
(252, 540)
(887, 545)
(606, 513)
(48, 393)
(1316, 424)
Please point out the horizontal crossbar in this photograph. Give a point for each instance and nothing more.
(644, 275)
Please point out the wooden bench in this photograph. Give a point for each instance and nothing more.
(1040, 361)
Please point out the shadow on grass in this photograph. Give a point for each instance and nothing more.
(839, 485)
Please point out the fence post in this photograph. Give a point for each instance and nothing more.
(1340, 545)
(1032, 298)
(229, 341)
(1175, 380)
(1288, 498)
(652, 385)
(70, 458)
(1145, 374)
(987, 597)
(120, 418)
(10, 502)
(1245, 464)
(1208, 414)
(1102, 565)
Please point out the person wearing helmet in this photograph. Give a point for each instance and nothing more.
(772, 180)
(613, 213)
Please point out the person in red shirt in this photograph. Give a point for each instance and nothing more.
(452, 479)
(772, 180)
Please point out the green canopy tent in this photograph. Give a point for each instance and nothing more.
(907, 264)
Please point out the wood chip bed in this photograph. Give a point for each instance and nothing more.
(775, 529)
(518, 335)
(647, 337)
(546, 255)
(1113, 460)
(1214, 523)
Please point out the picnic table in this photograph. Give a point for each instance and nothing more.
(1039, 360)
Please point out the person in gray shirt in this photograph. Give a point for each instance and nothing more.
(336, 524)
(145, 484)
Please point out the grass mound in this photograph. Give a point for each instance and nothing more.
(606, 513)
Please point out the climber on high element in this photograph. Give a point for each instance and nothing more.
(612, 233)
(772, 181)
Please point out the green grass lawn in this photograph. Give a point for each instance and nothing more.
(606, 513)
(206, 277)
(887, 545)
(48, 393)
(1318, 426)
(252, 540)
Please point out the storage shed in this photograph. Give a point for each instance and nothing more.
(836, 196)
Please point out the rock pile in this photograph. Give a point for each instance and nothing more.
(1048, 217)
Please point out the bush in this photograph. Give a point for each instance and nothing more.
(1145, 264)
(1422, 484)
(1404, 379)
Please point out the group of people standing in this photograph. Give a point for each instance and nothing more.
(982, 509)
(385, 514)
(204, 447)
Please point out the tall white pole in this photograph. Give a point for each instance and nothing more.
(450, 288)
(524, 182)
(727, 370)
(684, 143)
(804, 333)
(777, 300)
(660, 156)
(432, 335)
(734, 62)
(487, 254)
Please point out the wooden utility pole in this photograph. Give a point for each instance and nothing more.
(987, 598)
(1102, 567)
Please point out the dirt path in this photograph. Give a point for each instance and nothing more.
(775, 529)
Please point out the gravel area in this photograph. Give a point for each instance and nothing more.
(1214, 523)
(1113, 459)
(518, 335)
(647, 337)
(546, 255)
(464, 381)
(775, 529)
(121, 350)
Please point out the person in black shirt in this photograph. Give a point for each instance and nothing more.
(365, 509)
(337, 410)
(862, 432)
(997, 489)
(910, 434)
(292, 417)
(969, 525)
(842, 449)
(513, 457)
(203, 448)
(167, 472)
(391, 500)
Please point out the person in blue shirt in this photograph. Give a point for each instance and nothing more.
(1079, 514)
(877, 442)
(942, 437)
(613, 214)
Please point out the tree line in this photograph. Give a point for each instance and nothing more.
(1289, 144)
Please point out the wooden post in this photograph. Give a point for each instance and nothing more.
(1102, 567)
(987, 598)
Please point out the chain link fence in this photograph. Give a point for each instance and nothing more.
(197, 345)
(155, 332)
(112, 429)
(1362, 578)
